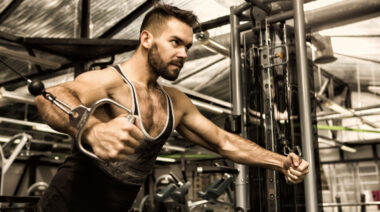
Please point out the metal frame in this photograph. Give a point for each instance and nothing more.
(330, 16)
(375, 155)
(241, 182)
(84, 32)
(221, 21)
(127, 19)
(7, 162)
(271, 179)
(311, 199)
(9, 10)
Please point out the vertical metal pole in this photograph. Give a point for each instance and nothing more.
(235, 65)
(84, 28)
(362, 200)
(241, 183)
(85, 19)
(271, 178)
(304, 102)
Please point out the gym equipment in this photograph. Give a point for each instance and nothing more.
(6, 162)
(176, 190)
(78, 116)
(37, 189)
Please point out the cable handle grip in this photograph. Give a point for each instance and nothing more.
(81, 116)
(296, 150)
(78, 116)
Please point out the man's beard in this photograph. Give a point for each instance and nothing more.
(158, 65)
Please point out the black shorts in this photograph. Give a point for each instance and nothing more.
(80, 185)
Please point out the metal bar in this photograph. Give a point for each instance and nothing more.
(79, 42)
(31, 53)
(374, 151)
(85, 19)
(280, 17)
(358, 58)
(341, 13)
(214, 46)
(349, 161)
(34, 125)
(271, 179)
(9, 37)
(244, 27)
(7, 162)
(9, 10)
(198, 70)
(239, 9)
(332, 15)
(221, 21)
(216, 77)
(338, 201)
(262, 6)
(374, 111)
(241, 182)
(20, 180)
(15, 97)
(362, 200)
(33, 161)
(235, 64)
(210, 108)
(346, 204)
(84, 28)
(342, 110)
(24, 57)
(25, 199)
(201, 96)
(66, 144)
(355, 36)
(46, 73)
(271, 19)
(311, 199)
(127, 19)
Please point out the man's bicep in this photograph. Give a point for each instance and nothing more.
(190, 136)
(199, 129)
(86, 88)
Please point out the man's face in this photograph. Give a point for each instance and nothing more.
(169, 49)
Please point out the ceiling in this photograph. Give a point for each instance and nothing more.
(50, 30)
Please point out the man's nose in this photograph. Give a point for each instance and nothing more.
(182, 53)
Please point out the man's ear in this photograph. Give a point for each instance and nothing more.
(146, 39)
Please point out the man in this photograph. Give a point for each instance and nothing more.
(128, 150)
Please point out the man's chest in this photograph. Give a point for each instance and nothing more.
(150, 106)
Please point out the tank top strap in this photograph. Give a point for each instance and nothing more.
(170, 124)
(165, 133)
(133, 91)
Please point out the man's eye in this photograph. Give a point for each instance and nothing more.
(175, 42)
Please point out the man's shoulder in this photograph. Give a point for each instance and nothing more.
(172, 91)
(102, 76)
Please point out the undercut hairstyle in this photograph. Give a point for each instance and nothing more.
(155, 20)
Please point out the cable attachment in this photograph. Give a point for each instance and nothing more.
(61, 105)
(286, 150)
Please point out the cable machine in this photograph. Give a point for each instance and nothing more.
(270, 84)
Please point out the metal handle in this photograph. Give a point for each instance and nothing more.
(296, 150)
(81, 116)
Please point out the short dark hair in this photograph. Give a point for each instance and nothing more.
(157, 17)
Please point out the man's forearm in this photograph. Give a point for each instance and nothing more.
(54, 116)
(247, 152)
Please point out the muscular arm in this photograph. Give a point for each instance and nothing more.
(73, 94)
(198, 129)
(110, 137)
(195, 127)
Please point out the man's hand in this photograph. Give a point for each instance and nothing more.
(295, 168)
(115, 139)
